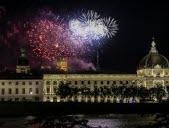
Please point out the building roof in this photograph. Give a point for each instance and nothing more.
(13, 76)
(154, 59)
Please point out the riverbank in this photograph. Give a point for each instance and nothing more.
(48, 108)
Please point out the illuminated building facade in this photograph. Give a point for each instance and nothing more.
(153, 70)
(22, 85)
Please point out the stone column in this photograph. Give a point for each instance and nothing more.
(51, 87)
(44, 98)
(92, 99)
(44, 87)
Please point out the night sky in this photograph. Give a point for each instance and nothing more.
(138, 22)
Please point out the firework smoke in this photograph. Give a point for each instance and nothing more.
(77, 65)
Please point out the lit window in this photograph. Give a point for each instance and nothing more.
(133, 81)
(30, 91)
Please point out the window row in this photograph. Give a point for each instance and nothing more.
(48, 83)
(20, 83)
(17, 91)
(20, 99)
(94, 82)
(101, 82)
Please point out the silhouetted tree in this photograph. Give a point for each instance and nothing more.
(64, 90)
(143, 93)
(160, 93)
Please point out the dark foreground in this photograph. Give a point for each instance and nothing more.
(47, 108)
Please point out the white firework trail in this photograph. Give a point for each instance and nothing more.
(111, 25)
(89, 16)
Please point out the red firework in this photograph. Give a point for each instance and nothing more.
(50, 41)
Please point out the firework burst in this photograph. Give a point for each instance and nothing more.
(50, 37)
(91, 27)
(49, 40)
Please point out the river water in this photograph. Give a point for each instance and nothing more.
(105, 121)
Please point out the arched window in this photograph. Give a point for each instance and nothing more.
(54, 99)
(96, 99)
(23, 99)
(2, 99)
(36, 98)
(9, 99)
(54, 83)
(47, 82)
(16, 99)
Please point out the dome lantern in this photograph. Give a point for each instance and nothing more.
(153, 48)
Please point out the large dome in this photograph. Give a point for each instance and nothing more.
(154, 59)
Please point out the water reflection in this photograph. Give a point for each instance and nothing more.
(120, 121)
(104, 121)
